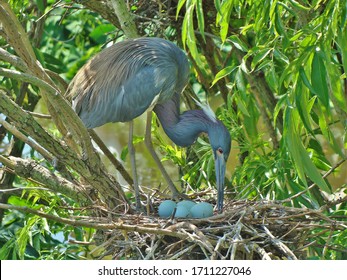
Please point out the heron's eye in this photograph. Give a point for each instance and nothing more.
(220, 150)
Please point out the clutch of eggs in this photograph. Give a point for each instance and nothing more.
(185, 209)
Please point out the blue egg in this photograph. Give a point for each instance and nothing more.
(166, 208)
(186, 203)
(202, 210)
(181, 212)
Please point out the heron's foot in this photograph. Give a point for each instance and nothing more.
(140, 210)
(139, 207)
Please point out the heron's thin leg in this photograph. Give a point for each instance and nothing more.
(149, 144)
(131, 149)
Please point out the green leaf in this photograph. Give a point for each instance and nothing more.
(240, 83)
(218, 6)
(40, 5)
(6, 249)
(319, 78)
(224, 72)
(100, 32)
(280, 56)
(303, 105)
(124, 153)
(328, 134)
(238, 43)
(262, 54)
(24, 235)
(243, 107)
(200, 16)
(179, 7)
(299, 6)
(302, 161)
(189, 35)
(278, 23)
(279, 106)
(305, 80)
(223, 18)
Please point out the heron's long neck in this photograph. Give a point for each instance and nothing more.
(182, 129)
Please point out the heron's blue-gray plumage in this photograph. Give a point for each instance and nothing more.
(183, 129)
(122, 81)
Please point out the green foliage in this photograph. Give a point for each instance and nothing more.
(277, 67)
(284, 64)
(69, 39)
(297, 48)
(33, 237)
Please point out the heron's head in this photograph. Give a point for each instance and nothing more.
(220, 141)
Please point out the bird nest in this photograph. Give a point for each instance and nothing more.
(245, 230)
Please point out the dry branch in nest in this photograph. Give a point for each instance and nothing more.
(246, 230)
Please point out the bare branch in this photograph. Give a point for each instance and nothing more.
(28, 168)
(26, 139)
(125, 18)
(94, 174)
(14, 60)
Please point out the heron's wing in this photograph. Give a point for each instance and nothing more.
(107, 101)
(110, 64)
(122, 81)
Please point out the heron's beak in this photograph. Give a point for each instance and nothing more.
(220, 176)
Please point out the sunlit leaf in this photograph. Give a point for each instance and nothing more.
(303, 163)
(238, 43)
(223, 18)
(302, 103)
(200, 16)
(318, 78)
(299, 6)
(179, 7)
(262, 54)
(224, 72)
(217, 4)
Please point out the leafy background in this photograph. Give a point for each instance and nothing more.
(274, 71)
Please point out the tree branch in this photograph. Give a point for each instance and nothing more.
(30, 169)
(97, 224)
(96, 176)
(111, 157)
(126, 20)
(13, 60)
(62, 114)
(26, 139)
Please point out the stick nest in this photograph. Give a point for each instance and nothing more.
(245, 230)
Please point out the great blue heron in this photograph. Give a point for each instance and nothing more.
(123, 81)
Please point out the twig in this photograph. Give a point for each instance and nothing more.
(153, 248)
(95, 224)
(125, 18)
(183, 252)
(16, 189)
(261, 252)
(111, 157)
(314, 184)
(326, 245)
(279, 244)
(237, 237)
(28, 168)
(39, 115)
(26, 139)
